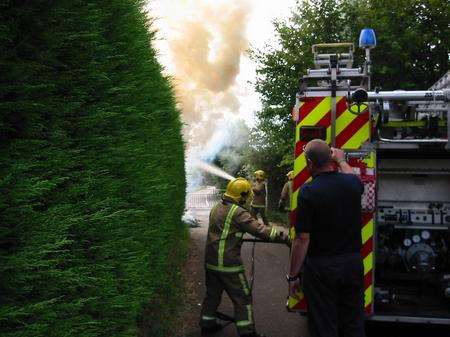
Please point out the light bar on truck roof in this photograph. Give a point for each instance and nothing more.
(367, 38)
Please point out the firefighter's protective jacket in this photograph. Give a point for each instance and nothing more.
(228, 222)
(285, 198)
(259, 194)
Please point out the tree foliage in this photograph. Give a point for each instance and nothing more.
(91, 189)
(412, 53)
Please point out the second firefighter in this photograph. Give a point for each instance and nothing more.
(259, 202)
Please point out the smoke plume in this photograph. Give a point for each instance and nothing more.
(205, 46)
(206, 53)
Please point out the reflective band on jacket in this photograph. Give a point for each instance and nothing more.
(232, 269)
(223, 237)
(273, 233)
(249, 318)
(208, 318)
(258, 206)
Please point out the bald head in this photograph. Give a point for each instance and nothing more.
(318, 152)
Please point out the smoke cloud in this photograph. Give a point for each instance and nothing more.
(206, 52)
(205, 46)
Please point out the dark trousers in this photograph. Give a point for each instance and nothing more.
(334, 290)
(237, 288)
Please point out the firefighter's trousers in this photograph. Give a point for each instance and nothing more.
(254, 211)
(334, 290)
(236, 286)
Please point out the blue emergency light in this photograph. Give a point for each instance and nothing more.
(367, 38)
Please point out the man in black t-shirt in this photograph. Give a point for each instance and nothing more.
(329, 230)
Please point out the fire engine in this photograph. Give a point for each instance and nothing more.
(398, 142)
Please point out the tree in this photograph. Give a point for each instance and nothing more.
(413, 42)
(412, 53)
(278, 72)
(91, 189)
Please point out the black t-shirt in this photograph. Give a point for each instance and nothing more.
(329, 208)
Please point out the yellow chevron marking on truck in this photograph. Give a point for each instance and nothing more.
(368, 263)
(299, 163)
(367, 231)
(368, 295)
(294, 200)
(343, 121)
(358, 138)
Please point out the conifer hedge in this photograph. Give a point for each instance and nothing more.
(92, 179)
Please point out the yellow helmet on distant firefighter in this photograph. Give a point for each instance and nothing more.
(239, 190)
(260, 175)
(290, 175)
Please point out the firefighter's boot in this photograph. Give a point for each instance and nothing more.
(213, 328)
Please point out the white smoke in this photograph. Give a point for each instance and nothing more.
(203, 42)
(223, 144)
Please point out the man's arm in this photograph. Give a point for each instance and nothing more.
(299, 249)
(283, 197)
(339, 157)
(301, 242)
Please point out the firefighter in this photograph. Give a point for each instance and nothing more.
(284, 204)
(229, 220)
(259, 189)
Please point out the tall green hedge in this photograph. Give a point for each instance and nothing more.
(92, 181)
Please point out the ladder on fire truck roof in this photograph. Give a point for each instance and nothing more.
(442, 83)
(334, 75)
(435, 107)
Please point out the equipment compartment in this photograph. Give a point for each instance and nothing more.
(412, 255)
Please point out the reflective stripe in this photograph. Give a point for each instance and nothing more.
(368, 262)
(249, 317)
(208, 318)
(367, 231)
(258, 206)
(358, 137)
(233, 269)
(244, 284)
(273, 233)
(223, 237)
(368, 296)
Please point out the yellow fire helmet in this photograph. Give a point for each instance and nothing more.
(290, 175)
(239, 190)
(260, 174)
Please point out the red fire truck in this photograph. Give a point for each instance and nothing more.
(398, 142)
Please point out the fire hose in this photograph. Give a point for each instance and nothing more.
(225, 317)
